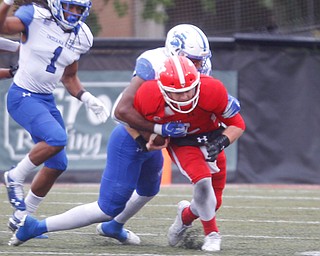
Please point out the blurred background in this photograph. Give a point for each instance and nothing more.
(266, 52)
(152, 19)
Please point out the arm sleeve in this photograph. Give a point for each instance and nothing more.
(25, 14)
(8, 45)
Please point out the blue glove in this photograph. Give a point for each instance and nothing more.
(171, 129)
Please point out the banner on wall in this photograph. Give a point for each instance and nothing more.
(87, 137)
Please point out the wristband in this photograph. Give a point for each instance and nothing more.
(8, 2)
(157, 129)
(223, 141)
(142, 142)
(79, 94)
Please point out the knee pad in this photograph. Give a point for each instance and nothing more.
(149, 189)
(58, 161)
(57, 137)
(113, 197)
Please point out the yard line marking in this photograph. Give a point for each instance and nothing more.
(80, 233)
(81, 253)
(311, 197)
(218, 219)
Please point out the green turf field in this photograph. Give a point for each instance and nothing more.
(253, 221)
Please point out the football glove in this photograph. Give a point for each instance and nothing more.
(171, 129)
(93, 103)
(216, 146)
(13, 70)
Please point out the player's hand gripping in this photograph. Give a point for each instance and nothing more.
(93, 103)
(171, 129)
(216, 146)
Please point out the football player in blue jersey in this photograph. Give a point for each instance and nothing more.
(53, 37)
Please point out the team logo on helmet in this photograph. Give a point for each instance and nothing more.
(178, 41)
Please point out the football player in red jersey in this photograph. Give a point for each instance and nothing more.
(182, 94)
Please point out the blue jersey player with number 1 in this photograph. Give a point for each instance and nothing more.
(53, 37)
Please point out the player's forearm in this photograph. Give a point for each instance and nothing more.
(130, 116)
(125, 112)
(233, 133)
(5, 73)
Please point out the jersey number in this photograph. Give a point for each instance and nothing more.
(51, 68)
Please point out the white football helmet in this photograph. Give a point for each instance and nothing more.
(179, 75)
(59, 7)
(188, 40)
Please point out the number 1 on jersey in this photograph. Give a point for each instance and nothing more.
(51, 68)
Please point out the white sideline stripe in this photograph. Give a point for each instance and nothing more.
(225, 196)
(81, 253)
(175, 205)
(220, 219)
(157, 235)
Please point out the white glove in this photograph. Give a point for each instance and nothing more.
(93, 103)
(8, 2)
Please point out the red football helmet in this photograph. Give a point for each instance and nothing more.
(179, 75)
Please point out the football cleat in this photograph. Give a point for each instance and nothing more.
(13, 225)
(177, 229)
(27, 228)
(125, 237)
(212, 242)
(15, 192)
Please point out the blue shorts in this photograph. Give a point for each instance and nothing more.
(127, 169)
(38, 114)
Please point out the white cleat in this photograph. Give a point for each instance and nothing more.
(132, 238)
(212, 242)
(177, 229)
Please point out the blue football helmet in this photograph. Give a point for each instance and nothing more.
(60, 7)
(188, 40)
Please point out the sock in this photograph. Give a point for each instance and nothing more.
(188, 216)
(209, 226)
(22, 170)
(135, 203)
(32, 202)
(77, 217)
(42, 227)
(114, 229)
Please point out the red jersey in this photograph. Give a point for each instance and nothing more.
(206, 116)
